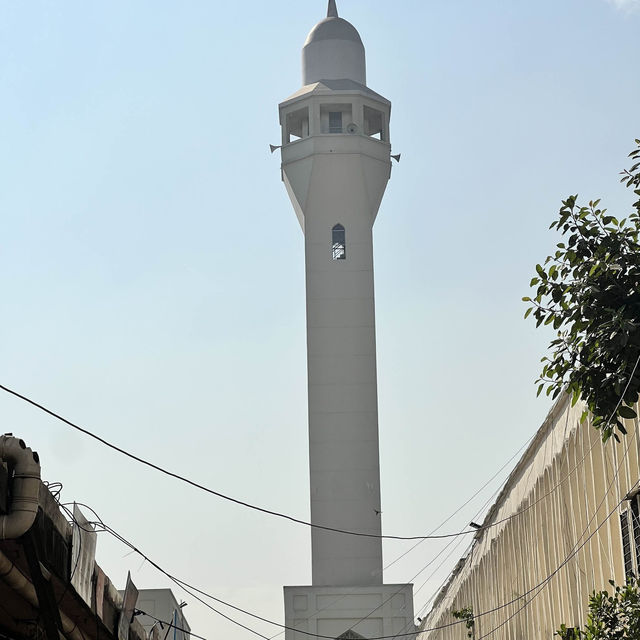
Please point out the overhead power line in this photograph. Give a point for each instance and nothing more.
(213, 492)
(264, 510)
(188, 588)
(198, 594)
(539, 588)
(170, 625)
(543, 585)
(420, 542)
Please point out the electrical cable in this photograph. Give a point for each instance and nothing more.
(201, 487)
(75, 568)
(574, 551)
(186, 586)
(277, 514)
(401, 633)
(478, 492)
(182, 584)
(193, 591)
(415, 546)
(188, 632)
(220, 613)
(540, 587)
(256, 508)
(458, 542)
(55, 489)
(448, 577)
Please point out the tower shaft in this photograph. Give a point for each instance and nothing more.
(341, 357)
(335, 165)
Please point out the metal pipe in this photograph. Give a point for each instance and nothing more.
(22, 514)
(10, 574)
(26, 487)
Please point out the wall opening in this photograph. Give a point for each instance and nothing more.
(374, 122)
(338, 243)
(334, 118)
(630, 530)
(297, 125)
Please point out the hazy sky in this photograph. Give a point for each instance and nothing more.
(152, 273)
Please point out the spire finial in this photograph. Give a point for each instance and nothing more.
(332, 12)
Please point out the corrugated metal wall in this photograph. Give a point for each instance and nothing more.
(558, 536)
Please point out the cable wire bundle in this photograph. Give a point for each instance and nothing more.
(199, 594)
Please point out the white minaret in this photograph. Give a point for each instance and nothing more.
(336, 165)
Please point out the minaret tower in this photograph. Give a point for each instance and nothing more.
(335, 165)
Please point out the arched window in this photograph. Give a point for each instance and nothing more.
(338, 243)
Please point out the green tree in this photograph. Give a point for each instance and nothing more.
(613, 616)
(589, 291)
(466, 614)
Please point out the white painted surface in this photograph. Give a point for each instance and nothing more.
(333, 51)
(340, 178)
(162, 604)
(83, 554)
(372, 612)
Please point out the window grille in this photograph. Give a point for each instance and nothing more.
(635, 522)
(335, 121)
(338, 243)
(626, 544)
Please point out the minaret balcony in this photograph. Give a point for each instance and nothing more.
(337, 144)
(336, 107)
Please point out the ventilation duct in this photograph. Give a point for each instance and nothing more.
(23, 506)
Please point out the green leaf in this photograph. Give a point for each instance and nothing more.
(626, 412)
(590, 291)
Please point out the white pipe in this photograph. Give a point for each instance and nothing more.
(22, 586)
(26, 487)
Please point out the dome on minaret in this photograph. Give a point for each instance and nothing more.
(333, 51)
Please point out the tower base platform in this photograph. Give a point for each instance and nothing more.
(332, 612)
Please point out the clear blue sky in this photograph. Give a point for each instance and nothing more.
(151, 265)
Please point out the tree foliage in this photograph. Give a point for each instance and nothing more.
(613, 616)
(466, 614)
(589, 291)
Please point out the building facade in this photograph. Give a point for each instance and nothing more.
(51, 587)
(565, 524)
(161, 605)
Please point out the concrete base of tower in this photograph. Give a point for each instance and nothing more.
(330, 612)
